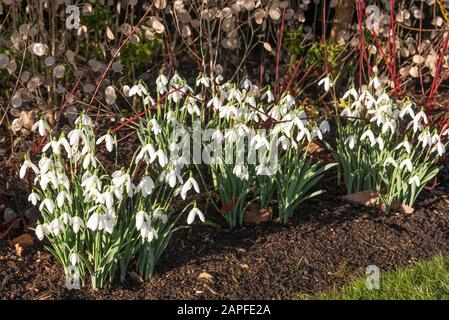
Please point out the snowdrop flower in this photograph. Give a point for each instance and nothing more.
(351, 141)
(93, 221)
(390, 161)
(304, 133)
(147, 153)
(370, 135)
(47, 203)
(325, 127)
(84, 120)
(407, 146)
(188, 185)
(425, 138)
(193, 213)
(407, 109)
(77, 224)
(140, 219)
(55, 227)
(161, 83)
(146, 186)
(89, 159)
(155, 127)
(106, 222)
(440, 148)
(171, 178)
(241, 171)
(215, 102)
(109, 141)
(406, 163)
(162, 157)
(73, 259)
(42, 127)
(44, 165)
(191, 107)
(351, 92)
(74, 137)
(259, 141)
(120, 179)
(421, 115)
(40, 232)
(62, 196)
(375, 83)
(415, 181)
(27, 164)
(326, 83)
(33, 198)
(138, 89)
(203, 79)
(380, 142)
(269, 95)
(263, 170)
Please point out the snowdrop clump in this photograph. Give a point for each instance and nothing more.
(97, 222)
(386, 146)
(279, 133)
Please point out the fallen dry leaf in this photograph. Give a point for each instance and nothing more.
(135, 277)
(204, 276)
(255, 215)
(22, 242)
(229, 205)
(364, 198)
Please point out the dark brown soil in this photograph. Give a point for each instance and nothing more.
(330, 243)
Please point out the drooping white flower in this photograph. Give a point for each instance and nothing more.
(138, 89)
(390, 161)
(193, 213)
(109, 141)
(415, 180)
(407, 109)
(77, 224)
(191, 182)
(106, 223)
(375, 83)
(145, 186)
(27, 164)
(147, 153)
(74, 137)
(73, 259)
(140, 219)
(439, 147)
(380, 142)
(351, 141)
(33, 198)
(55, 227)
(84, 120)
(406, 163)
(203, 80)
(40, 232)
(93, 222)
(62, 196)
(161, 83)
(351, 92)
(326, 83)
(325, 127)
(370, 135)
(263, 170)
(407, 146)
(42, 127)
(47, 203)
(241, 171)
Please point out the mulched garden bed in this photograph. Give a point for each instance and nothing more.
(328, 244)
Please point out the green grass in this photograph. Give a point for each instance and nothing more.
(427, 280)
